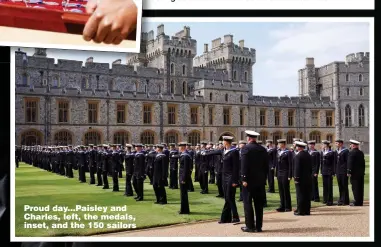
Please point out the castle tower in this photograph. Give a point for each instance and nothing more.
(307, 79)
(39, 52)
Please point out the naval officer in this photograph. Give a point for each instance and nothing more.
(356, 172)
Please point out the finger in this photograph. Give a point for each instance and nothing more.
(91, 6)
(127, 19)
(91, 26)
(117, 40)
(104, 28)
(114, 33)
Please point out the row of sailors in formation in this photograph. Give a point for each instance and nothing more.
(158, 163)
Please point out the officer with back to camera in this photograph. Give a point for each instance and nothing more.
(356, 172)
(254, 165)
(184, 177)
(341, 172)
(327, 172)
(315, 161)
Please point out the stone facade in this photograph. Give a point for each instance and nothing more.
(185, 97)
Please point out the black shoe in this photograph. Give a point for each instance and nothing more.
(258, 230)
(298, 214)
(115, 190)
(219, 196)
(156, 202)
(329, 204)
(191, 190)
(183, 212)
(246, 229)
(223, 222)
(99, 185)
(136, 197)
(280, 210)
(271, 191)
(236, 220)
(353, 204)
(163, 203)
(340, 204)
(288, 210)
(139, 199)
(105, 188)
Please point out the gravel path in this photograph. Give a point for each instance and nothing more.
(325, 221)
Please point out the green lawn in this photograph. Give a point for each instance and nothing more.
(37, 187)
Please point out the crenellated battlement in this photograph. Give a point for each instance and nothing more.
(357, 57)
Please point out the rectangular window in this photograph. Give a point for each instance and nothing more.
(277, 118)
(121, 113)
(171, 115)
(241, 117)
(329, 118)
(211, 136)
(147, 114)
(93, 112)
(226, 113)
(194, 115)
(291, 118)
(63, 112)
(262, 117)
(211, 115)
(314, 118)
(31, 110)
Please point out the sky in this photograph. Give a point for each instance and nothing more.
(281, 47)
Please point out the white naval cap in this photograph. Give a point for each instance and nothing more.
(354, 142)
(301, 144)
(251, 133)
(227, 138)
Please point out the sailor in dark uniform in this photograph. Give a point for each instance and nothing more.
(81, 157)
(254, 167)
(92, 154)
(173, 166)
(121, 160)
(242, 143)
(212, 177)
(302, 178)
(139, 172)
(184, 176)
(284, 174)
(218, 170)
(105, 166)
(197, 161)
(204, 168)
(18, 156)
(341, 171)
(150, 157)
(272, 152)
(191, 153)
(98, 157)
(159, 175)
(116, 167)
(67, 161)
(327, 172)
(166, 153)
(356, 172)
(129, 164)
(315, 161)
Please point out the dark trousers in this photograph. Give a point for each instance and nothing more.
(254, 194)
(184, 208)
(270, 180)
(160, 193)
(342, 181)
(173, 180)
(327, 189)
(240, 193)
(63, 171)
(196, 174)
(115, 180)
(99, 176)
(204, 182)
(138, 184)
(105, 179)
(128, 190)
(229, 210)
(121, 174)
(82, 174)
(264, 196)
(150, 175)
(92, 171)
(315, 189)
(358, 190)
(219, 184)
(212, 178)
(303, 198)
(190, 184)
(284, 192)
(17, 163)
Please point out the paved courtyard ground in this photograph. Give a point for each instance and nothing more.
(334, 221)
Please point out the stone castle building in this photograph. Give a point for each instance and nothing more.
(168, 93)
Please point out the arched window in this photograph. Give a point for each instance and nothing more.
(330, 138)
(361, 116)
(194, 138)
(55, 81)
(31, 138)
(172, 87)
(348, 116)
(276, 136)
(360, 77)
(290, 136)
(184, 69)
(159, 88)
(361, 91)
(226, 97)
(211, 96)
(172, 70)
(241, 98)
(121, 137)
(234, 75)
(25, 79)
(171, 137)
(263, 136)
(348, 91)
(245, 75)
(92, 137)
(347, 77)
(63, 138)
(185, 88)
(315, 135)
(147, 137)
